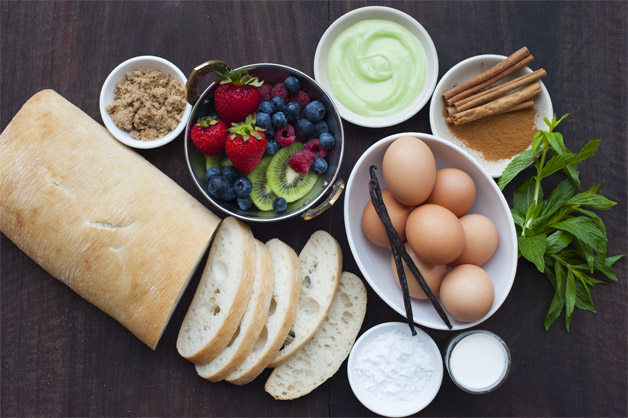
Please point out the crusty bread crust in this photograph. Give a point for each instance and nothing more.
(97, 216)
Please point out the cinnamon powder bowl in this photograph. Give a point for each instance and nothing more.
(493, 141)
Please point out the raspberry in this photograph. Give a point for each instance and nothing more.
(285, 136)
(301, 98)
(315, 147)
(279, 90)
(264, 92)
(301, 161)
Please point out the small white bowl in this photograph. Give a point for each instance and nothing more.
(381, 13)
(374, 261)
(118, 73)
(463, 71)
(398, 408)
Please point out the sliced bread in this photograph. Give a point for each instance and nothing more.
(222, 294)
(283, 309)
(321, 264)
(323, 355)
(252, 322)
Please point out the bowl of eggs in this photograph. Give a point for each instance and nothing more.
(455, 223)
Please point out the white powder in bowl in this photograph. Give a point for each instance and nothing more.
(394, 366)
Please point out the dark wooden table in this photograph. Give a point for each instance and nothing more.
(61, 356)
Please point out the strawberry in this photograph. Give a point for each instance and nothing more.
(245, 145)
(237, 96)
(209, 135)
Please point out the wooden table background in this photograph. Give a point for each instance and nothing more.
(61, 356)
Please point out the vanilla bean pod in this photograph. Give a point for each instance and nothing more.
(397, 246)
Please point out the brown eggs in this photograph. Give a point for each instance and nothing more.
(374, 228)
(453, 189)
(467, 293)
(435, 234)
(433, 275)
(409, 169)
(480, 240)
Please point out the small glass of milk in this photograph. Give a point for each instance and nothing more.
(477, 361)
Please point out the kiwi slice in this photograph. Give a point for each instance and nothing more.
(283, 180)
(261, 195)
(221, 160)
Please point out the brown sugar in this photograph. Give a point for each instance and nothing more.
(147, 104)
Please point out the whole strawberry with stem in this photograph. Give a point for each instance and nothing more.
(245, 145)
(237, 96)
(209, 135)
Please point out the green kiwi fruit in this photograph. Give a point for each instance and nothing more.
(221, 160)
(261, 195)
(283, 180)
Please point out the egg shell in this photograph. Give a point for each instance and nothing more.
(409, 169)
(435, 234)
(373, 227)
(453, 189)
(433, 275)
(467, 292)
(480, 240)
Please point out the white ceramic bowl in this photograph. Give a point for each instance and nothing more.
(398, 408)
(383, 13)
(374, 261)
(463, 71)
(106, 98)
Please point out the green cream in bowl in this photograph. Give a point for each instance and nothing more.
(378, 64)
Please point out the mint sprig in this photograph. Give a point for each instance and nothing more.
(560, 234)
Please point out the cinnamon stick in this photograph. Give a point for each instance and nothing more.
(527, 60)
(525, 105)
(490, 73)
(498, 105)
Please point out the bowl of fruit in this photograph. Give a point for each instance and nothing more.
(264, 142)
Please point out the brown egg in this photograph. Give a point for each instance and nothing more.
(374, 228)
(453, 189)
(480, 240)
(435, 234)
(409, 169)
(432, 274)
(467, 293)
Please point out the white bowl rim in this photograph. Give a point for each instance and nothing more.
(399, 308)
(435, 103)
(414, 107)
(123, 136)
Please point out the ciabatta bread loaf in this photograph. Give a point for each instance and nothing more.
(252, 322)
(321, 357)
(321, 264)
(283, 309)
(97, 216)
(222, 294)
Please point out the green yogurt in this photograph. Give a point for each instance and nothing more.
(376, 68)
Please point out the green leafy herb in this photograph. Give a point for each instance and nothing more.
(558, 233)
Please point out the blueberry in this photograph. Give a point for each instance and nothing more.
(230, 194)
(280, 205)
(293, 111)
(243, 187)
(279, 120)
(280, 105)
(303, 127)
(263, 120)
(267, 107)
(217, 187)
(326, 140)
(315, 111)
(214, 171)
(270, 132)
(230, 173)
(319, 165)
(244, 203)
(292, 84)
(320, 127)
(272, 146)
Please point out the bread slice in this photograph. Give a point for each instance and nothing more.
(222, 294)
(283, 309)
(252, 322)
(323, 355)
(321, 264)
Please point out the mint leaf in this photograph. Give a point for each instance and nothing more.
(561, 161)
(570, 297)
(556, 242)
(533, 249)
(583, 298)
(519, 163)
(591, 199)
(556, 200)
(558, 301)
(523, 197)
(585, 230)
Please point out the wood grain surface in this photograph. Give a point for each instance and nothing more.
(61, 356)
